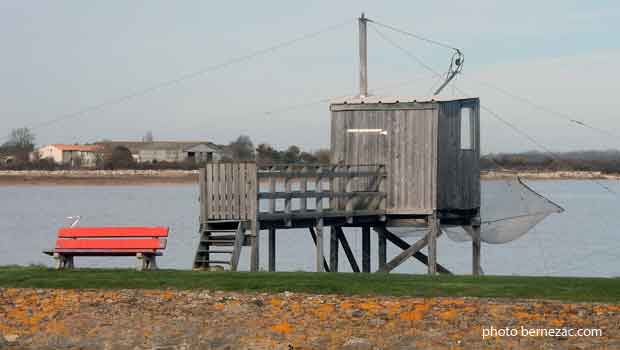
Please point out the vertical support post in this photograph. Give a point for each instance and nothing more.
(288, 202)
(365, 248)
(272, 189)
(272, 249)
(382, 245)
(254, 259)
(363, 56)
(433, 223)
(319, 246)
(476, 247)
(333, 250)
(318, 188)
(303, 187)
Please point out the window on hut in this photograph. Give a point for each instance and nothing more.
(467, 131)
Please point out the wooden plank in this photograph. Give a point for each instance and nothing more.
(272, 189)
(254, 252)
(313, 214)
(303, 188)
(399, 242)
(326, 173)
(347, 249)
(111, 232)
(202, 196)
(252, 190)
(380, 106)
(322, 194)
(235, 191)
(243, 195)
(405, 254)
(433, 232)
(227, 190)
(142, 243)
(366, 248)
(474, 232)
(317, 238)
(211, 191)
(221, 184)
(382, 249)
(239, 240)
(333, 250)
(318, 188)
(272, 249)
(288, 189)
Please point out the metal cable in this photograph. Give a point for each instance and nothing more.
(185, 77)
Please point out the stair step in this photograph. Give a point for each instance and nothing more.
(218, 241)
(216, 251)
(213, 262)
(221, 221)
(217, 230)
(222, 237)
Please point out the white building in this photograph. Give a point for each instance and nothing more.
(74, 155)
(169, 151)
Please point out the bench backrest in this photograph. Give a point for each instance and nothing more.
(113, 238)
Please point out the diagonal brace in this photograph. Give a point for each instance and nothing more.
(404, 245)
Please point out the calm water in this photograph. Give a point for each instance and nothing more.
(582, 241)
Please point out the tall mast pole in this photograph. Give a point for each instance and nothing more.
(363, 56)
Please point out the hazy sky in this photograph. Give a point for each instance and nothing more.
(61, 56)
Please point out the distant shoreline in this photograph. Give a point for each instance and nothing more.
(176, 177)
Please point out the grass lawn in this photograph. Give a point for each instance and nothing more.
(558, 288)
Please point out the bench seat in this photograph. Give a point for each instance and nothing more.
(143, 242)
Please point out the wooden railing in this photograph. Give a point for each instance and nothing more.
(315, 191)
(243, 191)
(228, 191)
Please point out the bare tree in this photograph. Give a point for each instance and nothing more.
(20, 144)
(242, 148)
(21, 138)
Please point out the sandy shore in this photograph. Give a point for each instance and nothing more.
(98, 177)
(173, 177)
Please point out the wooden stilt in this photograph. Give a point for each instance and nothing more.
(254, 259)
(397, 241)
(320, 260)
(365, 248)
(314, 239)
(382, 247)
(333, 250)
(476, 247)
(433, 232)
(347, 249)
(272, 249)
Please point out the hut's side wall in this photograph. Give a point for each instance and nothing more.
(458, 169)
(409, 149)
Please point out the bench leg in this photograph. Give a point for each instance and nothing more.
(146, 262)
(152, 262)
(63, 261)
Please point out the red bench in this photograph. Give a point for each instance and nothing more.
(143, 242)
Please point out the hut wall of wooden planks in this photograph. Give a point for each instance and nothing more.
(431, 149)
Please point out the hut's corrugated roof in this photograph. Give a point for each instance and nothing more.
(393, 99)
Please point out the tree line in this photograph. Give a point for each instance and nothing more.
(15, 154)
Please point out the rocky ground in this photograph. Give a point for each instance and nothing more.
(147, 319)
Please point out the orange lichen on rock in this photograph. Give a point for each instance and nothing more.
(283, 327)
(141, 319)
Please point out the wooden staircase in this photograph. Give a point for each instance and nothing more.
(220, 244)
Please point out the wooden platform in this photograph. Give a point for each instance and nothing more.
(315, 197)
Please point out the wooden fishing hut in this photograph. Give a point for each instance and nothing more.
(395, 162)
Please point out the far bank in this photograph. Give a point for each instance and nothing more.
(163, 177)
